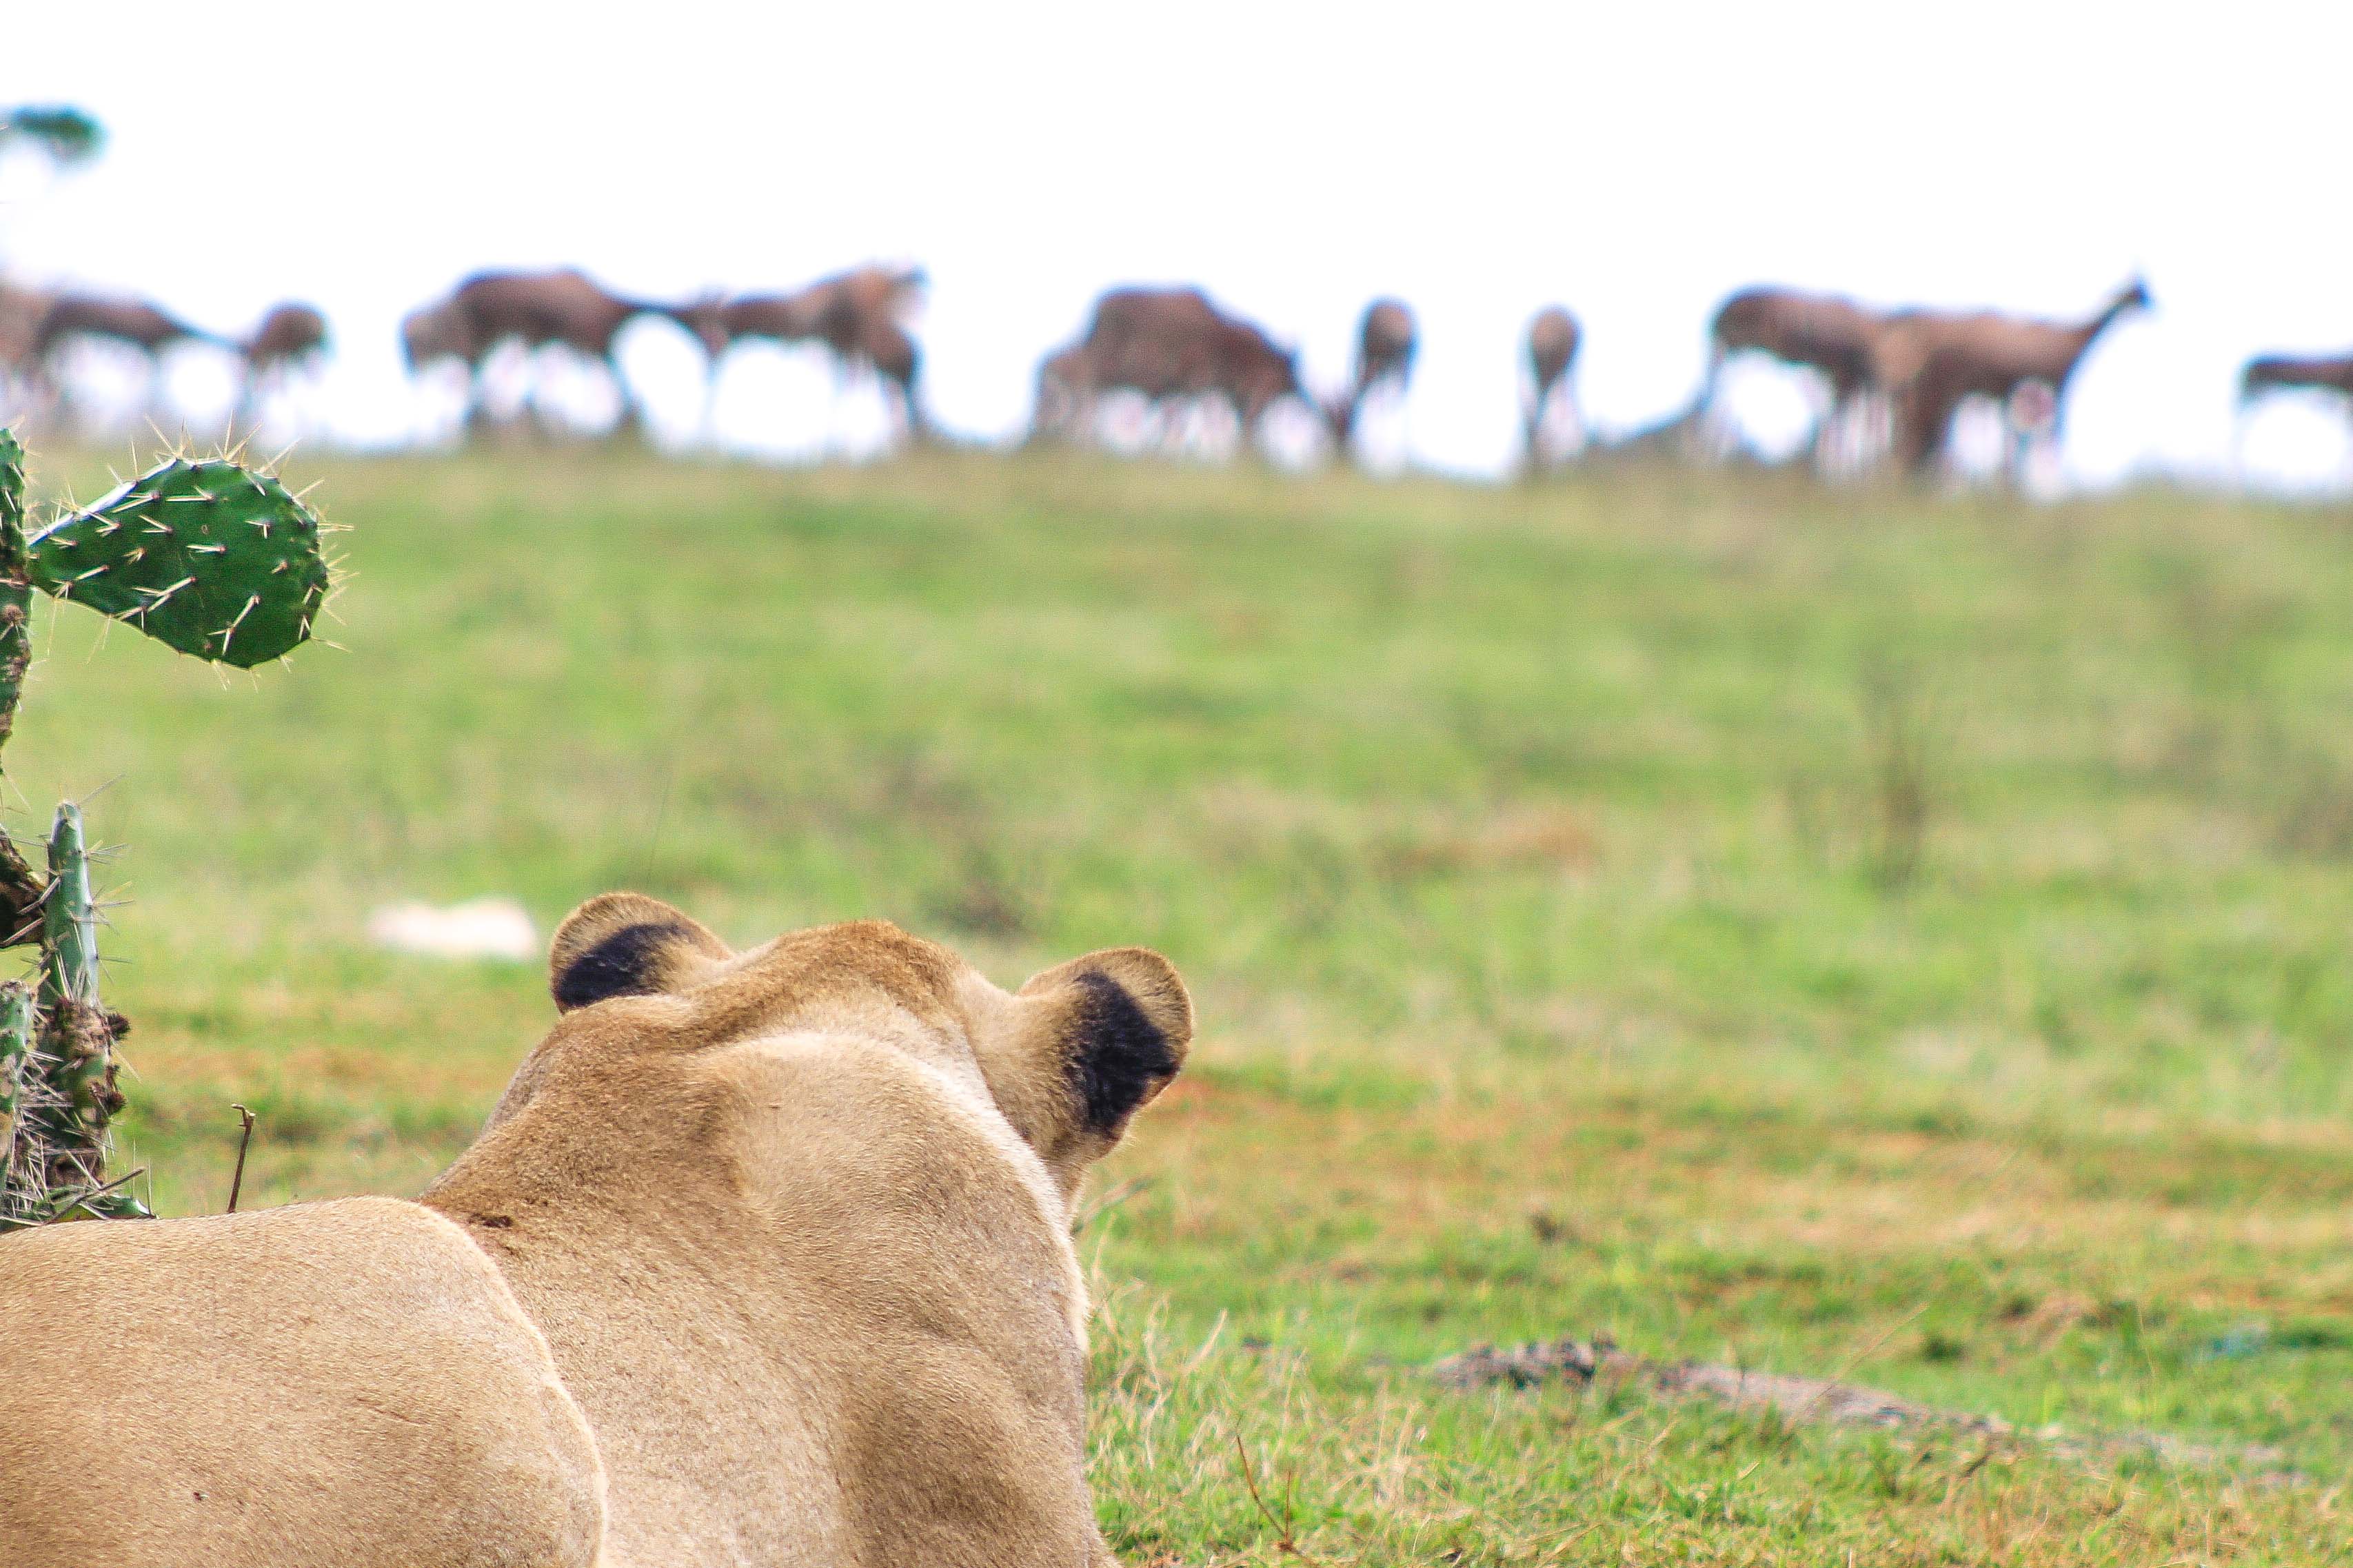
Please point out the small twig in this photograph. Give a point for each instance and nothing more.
(244, 1139)
(1250, 1480)
(1283, 1541)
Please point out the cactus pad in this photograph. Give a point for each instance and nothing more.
(12, 479)
(212, 559)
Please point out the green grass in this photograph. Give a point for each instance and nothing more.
(1843, 934)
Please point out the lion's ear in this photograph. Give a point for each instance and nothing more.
(627, 944)
(1123, 1025)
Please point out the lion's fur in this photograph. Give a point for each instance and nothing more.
(347, 1382)
(794, 1224)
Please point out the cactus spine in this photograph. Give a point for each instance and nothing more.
(211, 559)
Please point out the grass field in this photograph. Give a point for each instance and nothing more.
(1848, 934)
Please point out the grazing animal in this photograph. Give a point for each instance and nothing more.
(859, 315)
(1827, 333)
(1386, 344)
(136, 324)
(541, 309)
(21, 311)
(289, 337)
(1153, 341)
(1931, 361)
(1387, 341)
(1066, 387)
(432, 333)
(1553, 340)
(115, 319)
(1252, 371)
(763, 1258)
(1166, 344)
(2268, 373)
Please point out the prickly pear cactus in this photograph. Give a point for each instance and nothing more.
(60, 1044)
(22, 1162)
(20, 888)
(215, 560)
(207, 557)
(16, 582)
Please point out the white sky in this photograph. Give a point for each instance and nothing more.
(1633, 162)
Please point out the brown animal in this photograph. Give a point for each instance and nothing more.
(136, 324)
(1387, 341)
(21, 312)
(1827, 333)
(432, 333)
(1153, 341)
(2285, 373)
(289, 334)
(763, 1258)
(1166, 344)
(539, 310)
(1930, 362)
(859, 315)
(115, 319)
(291, 337)
(1252, 371)
(1067, 384)
(1553, 341)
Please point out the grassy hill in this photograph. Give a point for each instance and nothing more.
(1850, 933)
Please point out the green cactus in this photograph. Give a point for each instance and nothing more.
(69, 974)
(76, 1042)
(16, 583)
(17, 1068)
(206, 557)
(20, 888)
(212, 559)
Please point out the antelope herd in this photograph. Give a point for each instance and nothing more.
(37, 327)
(1183, 369)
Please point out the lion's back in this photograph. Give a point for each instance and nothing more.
(347, 1382)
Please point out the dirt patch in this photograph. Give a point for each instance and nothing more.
(1816, 1399)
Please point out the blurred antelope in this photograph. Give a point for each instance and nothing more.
(21, 311)
(1387, 341)
(2268, 373)
(136, 324)
(1931, 361)
(1145, 341)
(1826, 333)
(542, 310)
(1553, 340)
(1166, 344)
(861, 316)
(117, 319)
(289, 339)
(1252, 373)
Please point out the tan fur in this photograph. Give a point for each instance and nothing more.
(345, 1383)
(795, 1226)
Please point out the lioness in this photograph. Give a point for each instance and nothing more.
(763, 1258)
